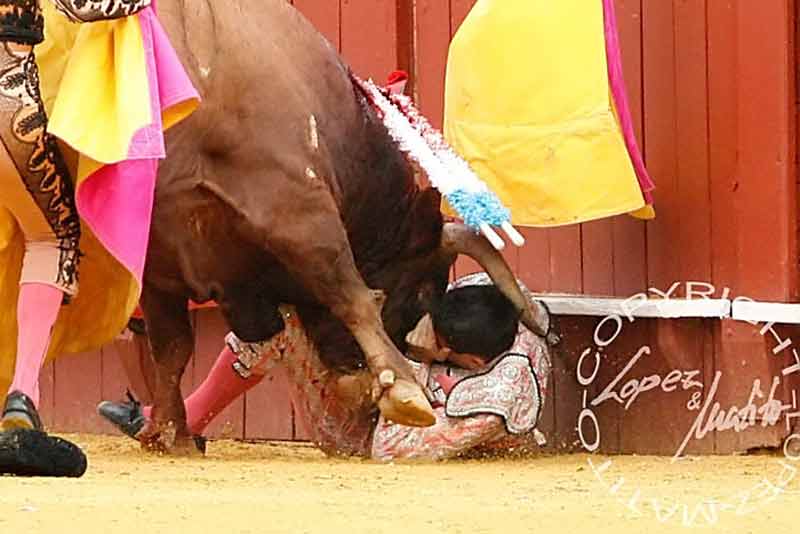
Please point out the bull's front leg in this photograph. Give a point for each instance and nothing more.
(400, 398)
(317, 253)
(170, 334)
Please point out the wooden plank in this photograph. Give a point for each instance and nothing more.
(566, 268)
(369, 37)
(406, 40)
(765, 187)
(793, 381)
(629, 253)
(210, 330)
(534, 260)
(597, 254)
(660, 104)
(432, 19)
(629, 256)
(581, 305)
(766, 312)
(691, 117)
(268, 408)
(766, 153)
(710, 366)
(723, 79)
(729, 205)
(76, 393)
(325, 16)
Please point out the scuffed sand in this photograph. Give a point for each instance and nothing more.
(292, 488)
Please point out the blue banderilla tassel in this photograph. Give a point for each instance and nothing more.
(477, 208)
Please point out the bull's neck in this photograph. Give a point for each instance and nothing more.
(378, 197)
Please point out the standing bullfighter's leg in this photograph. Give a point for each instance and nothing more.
(170, 334)
(35, 187)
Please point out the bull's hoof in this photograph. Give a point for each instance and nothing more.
(164, 439)
(404, 403)
(188, 447)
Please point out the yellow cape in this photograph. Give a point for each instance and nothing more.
(527, 104)
(96, 109)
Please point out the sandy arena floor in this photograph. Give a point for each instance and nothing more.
(264, 488)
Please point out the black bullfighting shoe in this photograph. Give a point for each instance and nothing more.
(26, 450)
(126, 416)
(20, 412)
(32, 453)
(129, 418)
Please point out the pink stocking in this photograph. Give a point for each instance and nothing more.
(37, 311)
(222, 386)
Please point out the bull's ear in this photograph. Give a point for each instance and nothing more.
(428, 207)
(433, 288)
(425, 221)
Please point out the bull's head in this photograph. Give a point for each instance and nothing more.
(416, 282)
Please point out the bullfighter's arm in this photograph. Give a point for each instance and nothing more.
(96, 10)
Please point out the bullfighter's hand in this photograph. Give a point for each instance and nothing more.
(553, 339)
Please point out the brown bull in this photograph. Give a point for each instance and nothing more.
(286, 187)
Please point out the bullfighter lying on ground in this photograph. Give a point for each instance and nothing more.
(486, 374)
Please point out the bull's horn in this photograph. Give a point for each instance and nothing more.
(460, 239)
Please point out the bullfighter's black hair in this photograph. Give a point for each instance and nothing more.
(476, 320)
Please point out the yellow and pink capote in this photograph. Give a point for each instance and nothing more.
(535, 102)
(111, 89)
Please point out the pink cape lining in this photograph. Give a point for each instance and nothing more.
(117, 200)
(619, 94)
